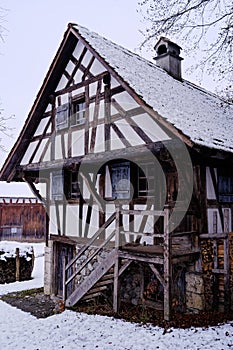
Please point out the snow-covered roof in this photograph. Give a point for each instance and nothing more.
(200, 115)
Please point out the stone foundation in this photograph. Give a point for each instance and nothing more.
(195, 297)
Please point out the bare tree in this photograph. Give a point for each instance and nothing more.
(4, 127)
(198, 25)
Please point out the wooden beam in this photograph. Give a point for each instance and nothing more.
(58, 217)
(120, 135)
(88, 217)
(95, 117)
(219, 206)
(107, 114)
(91, 189)
(157, 274)
(87, 117)
(167, 268)
(116, 266)
(63, 146)
(80, 85)
(76, 67)
(69, 141)
(87, 70)
(124, 267)
(131, 122)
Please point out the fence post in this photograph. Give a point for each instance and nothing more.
(17, 265)
(167, 266)
(64, 263)
(116, 267)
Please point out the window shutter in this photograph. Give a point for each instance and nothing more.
(225, 187)
(57, 185)
(121, 180)
(62, 114)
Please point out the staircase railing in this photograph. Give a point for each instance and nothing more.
(67, 280)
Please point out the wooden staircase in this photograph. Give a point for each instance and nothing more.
(76, 289)
(91, 281)
(101, 286)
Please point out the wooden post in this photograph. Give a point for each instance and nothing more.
(226, 275)
(116, 267)
(17, 265)
(167, 267)
(64, 263)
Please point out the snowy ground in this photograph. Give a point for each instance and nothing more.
(70, 330)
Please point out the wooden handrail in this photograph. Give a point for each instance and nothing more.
(90, 258)
(142, 212)
(85, 247)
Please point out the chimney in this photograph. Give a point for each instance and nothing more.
(168, 57)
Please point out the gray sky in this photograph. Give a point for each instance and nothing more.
(35, 30)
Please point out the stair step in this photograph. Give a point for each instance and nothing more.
(97, 289)
(103, 283)
(107, 277)
(92, 279)
(88, 297)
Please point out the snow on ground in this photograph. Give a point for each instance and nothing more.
(37, 273)
(75, 331)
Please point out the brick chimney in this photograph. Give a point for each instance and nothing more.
(168, 57)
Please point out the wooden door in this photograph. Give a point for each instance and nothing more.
(64, 252)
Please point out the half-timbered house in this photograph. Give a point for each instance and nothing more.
(134, 165)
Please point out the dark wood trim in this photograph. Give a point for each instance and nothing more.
(87, 117)
(219, 206)
(58, 217)
(88, 217)
(80, 85)
(131, 122)
(120, 135)
(62, 239)
(107, 115)
(95, 117)
(78, 63)
(87, 70)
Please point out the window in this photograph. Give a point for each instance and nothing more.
(146, 180)
(65, 183)
(74, 186)
(121, 180)
(62, 113)
(225, 186)
(78, 113)
(71, 185)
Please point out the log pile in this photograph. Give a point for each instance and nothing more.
(16, 267)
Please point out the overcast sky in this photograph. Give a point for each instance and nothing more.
(34, 32)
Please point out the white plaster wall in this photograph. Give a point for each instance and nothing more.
(227, 223)
(209, 184)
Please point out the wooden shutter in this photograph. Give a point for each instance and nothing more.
(225, 187)
(57, 185)
(62, 114)
(121, 180)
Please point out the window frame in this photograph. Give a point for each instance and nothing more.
(225, 186)
(75, 119)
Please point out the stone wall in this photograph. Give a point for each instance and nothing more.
(195, 297)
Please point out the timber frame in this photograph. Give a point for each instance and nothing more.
(104, 163)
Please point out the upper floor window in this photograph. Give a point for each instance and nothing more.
(64, 185)
(78, 113)
(225, 186)
(146, 180)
